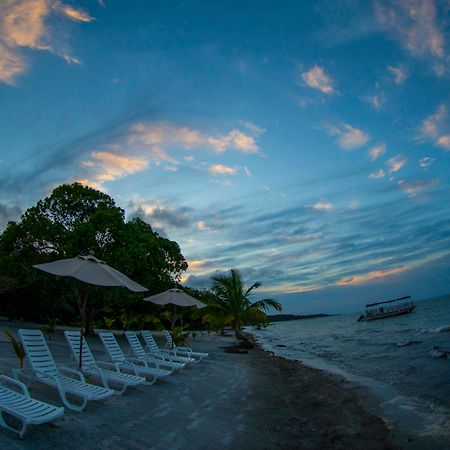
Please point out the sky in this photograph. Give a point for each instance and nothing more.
(306, 144)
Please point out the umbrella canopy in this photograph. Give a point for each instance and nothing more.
(91, 270)
(175, 297)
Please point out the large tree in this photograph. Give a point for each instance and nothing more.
(73, 220)
(234, 300)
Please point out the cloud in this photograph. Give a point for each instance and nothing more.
(426, 162)
(8, 213)
(107, 166)
(396, 163)
(415, 188)
(399, 74)
(75, 14)
(322, 205)
(161, 217)
(376, 100)
(349, 137)
(377, 175)
(436, 128)
(167, 134)
(316, 78)
(377, 151)
(219, 169)
(370, 276)
(159, 143)
(413, 23)
(254, 129)
(24, 24)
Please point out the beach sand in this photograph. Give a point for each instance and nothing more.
(227, 401)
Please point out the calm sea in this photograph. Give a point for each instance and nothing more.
(403, 359)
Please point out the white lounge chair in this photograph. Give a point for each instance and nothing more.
(46, 371)
(20, 405)
(139, 353)
(109, 374)
(170, 355)
(134, 365)
(182, 351)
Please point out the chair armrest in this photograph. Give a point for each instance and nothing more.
(7, 380)
(137, 362)
(183, 349)
(77, 373)
(108, 365)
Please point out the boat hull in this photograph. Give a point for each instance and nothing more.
(386, 315)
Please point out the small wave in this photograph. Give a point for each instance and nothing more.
(442, 329)
(407, 343)
(438, 353)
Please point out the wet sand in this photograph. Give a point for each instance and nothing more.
(227, 401)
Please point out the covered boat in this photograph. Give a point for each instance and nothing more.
(389, 308)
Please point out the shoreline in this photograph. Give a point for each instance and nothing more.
(413, 424)
(229, 401)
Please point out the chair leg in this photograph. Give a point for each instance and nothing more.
(20, 432)
(71, 405)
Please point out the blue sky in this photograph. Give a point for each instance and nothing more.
(304, 143)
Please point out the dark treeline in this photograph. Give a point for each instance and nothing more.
(78, 220)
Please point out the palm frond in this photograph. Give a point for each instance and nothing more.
(266, 304)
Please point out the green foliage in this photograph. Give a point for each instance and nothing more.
(74, 220)
(109, 323)
(18, 348)
(49, 329)
(180, 336)
(233, 300)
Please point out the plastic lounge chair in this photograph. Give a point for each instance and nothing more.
(139, 353)
(109, 374)
(46, 371)
(20, 405)
(183, 351)
(170, 355)
(134, 365)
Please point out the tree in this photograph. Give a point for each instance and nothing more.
(234, 300)
(74, 220)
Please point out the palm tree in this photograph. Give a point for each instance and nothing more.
(234, 300)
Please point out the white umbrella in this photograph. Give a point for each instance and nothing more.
(93, 271)
(176, 297)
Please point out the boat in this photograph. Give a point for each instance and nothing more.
(389, 308)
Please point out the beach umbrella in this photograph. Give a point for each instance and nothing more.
(177, 297)
(90, 270)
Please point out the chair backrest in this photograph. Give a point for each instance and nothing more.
(169, 339)
(150, 341)
(37, 351)
(135, 345)
(112, 347)
(73, 339)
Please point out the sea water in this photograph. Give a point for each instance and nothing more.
(404, 359)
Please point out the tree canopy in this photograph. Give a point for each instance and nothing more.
(74, 220)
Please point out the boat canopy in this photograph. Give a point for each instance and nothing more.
(389, 301)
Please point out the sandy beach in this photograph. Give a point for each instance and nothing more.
(228, 401)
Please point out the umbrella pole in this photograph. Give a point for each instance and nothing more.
(173, 321)
(83, 322)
